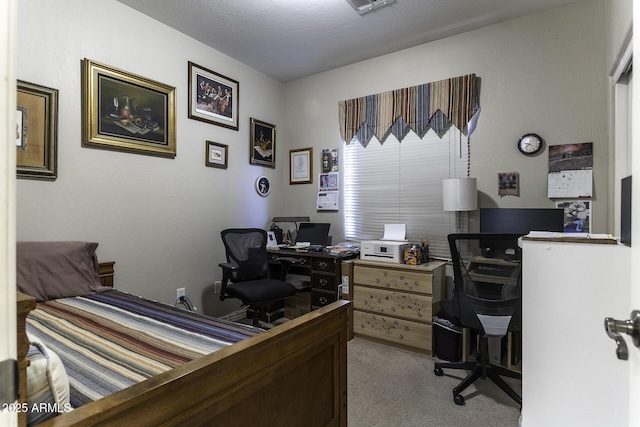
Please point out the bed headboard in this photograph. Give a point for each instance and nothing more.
(106, 273)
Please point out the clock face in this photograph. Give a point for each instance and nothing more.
(530, 144)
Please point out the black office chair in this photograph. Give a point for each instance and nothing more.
(245, 275)
(486, 299)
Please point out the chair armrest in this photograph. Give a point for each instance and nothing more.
(230, 266)
(285, 263)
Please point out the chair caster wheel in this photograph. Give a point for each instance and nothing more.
(438, 372)
(458, 399)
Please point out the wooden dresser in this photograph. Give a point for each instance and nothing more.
(395, 302)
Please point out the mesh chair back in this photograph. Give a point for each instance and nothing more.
(246, 247)
(494, 289)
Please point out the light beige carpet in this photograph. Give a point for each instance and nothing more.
(393, 387)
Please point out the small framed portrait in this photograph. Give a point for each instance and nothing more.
(217, 155)
(213, 98)
(125, 112)
(263, 186)
(36, 132)
(262, 143)
(301, 166)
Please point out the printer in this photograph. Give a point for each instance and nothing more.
(384, 250)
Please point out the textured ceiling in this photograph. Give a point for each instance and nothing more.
(289, 39)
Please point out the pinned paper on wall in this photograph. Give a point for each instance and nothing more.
(570, 170)
(328, 192)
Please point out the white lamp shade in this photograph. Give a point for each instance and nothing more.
(459, 194)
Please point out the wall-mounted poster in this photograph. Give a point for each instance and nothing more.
(508, 184)
(570, 170)
(577, 215)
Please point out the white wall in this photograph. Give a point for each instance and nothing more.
(544, 73)
(159, 219)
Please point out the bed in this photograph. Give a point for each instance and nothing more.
(294, 374)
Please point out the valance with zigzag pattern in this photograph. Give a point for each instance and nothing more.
(436, 105)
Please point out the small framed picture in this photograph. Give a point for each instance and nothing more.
(213, 98)
(262, 144)
(217, 155)
(301, 166)
(263, 186)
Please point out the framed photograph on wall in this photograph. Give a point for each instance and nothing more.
(262, 143)
(217, 155)
(36, 131)
(125, 112)
(213, 98)
(301, 166)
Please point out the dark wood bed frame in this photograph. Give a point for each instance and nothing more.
(292, 375)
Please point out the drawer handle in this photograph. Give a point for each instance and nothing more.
(323, 300)
(323, 282)
(322, 264)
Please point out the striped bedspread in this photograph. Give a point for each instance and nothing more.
(113, 340)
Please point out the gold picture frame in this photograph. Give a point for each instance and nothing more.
(36, 132)
(217, 155)
(301, 166)
(125, 112)
(262, 143)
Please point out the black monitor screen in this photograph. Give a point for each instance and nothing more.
(518, 221)
(316, 233)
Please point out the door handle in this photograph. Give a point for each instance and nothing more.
(630, 327)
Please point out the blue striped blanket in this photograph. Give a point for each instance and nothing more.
(112, 340)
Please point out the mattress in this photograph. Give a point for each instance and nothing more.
(112, 340)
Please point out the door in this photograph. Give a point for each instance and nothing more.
(7, 190)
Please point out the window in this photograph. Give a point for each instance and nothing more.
(401, 183)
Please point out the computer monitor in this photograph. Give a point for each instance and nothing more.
(517, 221)
(316, 233)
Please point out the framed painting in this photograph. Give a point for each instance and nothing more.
(36, 132)
(213, 98)
(217, 155)
(125, 112)
(301, 166)
(262, 144)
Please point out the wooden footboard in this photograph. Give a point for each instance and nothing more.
(292, 375)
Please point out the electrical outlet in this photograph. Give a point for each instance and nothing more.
(180, 292)
(217, 286)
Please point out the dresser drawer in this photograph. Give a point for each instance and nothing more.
(402, 280)
(323, 264)
(320, 299)
(400, 331)
(391, 303)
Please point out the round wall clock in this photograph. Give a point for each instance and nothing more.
(263, 186)
(530, 144)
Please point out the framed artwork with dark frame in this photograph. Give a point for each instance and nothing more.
(125, 112)
(262, 143)
(301, 166)
(213, 98)
(217, 155)
(36, 132)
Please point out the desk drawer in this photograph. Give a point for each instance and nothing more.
(320, 299)
(323, 281)
(397, 304)
(400, 331)
(402, 280)
(327, 265)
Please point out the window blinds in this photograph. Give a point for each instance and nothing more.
(402, 183)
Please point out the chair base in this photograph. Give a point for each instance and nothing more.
(478, 370)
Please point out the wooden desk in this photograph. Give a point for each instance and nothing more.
(323, 270)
